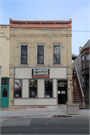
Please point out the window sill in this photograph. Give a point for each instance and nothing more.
(40, 65)
(56, 65)
(23, 65)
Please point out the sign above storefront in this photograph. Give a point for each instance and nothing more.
(40, 73)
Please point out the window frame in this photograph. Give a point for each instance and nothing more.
(29, 89)
(83, 62)
(21, 88)
(52, 89)
(59, 54)
(20, 53)
(87, 60)
(43, 54)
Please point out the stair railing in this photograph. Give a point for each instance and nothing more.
(80, 87)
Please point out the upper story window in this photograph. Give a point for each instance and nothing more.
(87, 60)
(40, 54)
(56, 54)
(24, 54)
(83, 62)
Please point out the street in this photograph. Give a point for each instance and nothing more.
(53, 125)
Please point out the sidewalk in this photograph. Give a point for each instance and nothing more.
(41, 112)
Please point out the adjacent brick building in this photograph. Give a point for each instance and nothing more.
(4, 64)
(82, 65)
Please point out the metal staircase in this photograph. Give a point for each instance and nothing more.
(78, 96)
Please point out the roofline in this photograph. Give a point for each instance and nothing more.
(65, 21)
(4, 25)
(40, 24)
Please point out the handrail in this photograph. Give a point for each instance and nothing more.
(79, 83)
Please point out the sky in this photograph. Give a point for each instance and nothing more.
(78, 10)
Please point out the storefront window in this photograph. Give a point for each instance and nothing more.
(48, 88)
(87, 60)
(17, 88)
(33, 88)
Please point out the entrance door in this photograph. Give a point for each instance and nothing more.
(4, 92)
(62, 91)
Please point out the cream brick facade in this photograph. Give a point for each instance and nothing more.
(4, 50)
(48, 37)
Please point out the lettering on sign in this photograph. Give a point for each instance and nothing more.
(40, 73)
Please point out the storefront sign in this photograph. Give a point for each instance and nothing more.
(40, 73)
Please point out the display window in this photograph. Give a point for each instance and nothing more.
(17, 88)
(48, 88)
(33, 88)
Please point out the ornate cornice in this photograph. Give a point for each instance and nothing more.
(40, 24)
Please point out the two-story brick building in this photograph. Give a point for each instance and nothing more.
(40, 68)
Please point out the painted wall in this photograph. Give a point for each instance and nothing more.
(35, 102)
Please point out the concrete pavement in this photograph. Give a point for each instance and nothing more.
(40, 112)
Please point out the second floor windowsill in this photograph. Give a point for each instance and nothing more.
(40, 65)
(23, 65)
(56, 65)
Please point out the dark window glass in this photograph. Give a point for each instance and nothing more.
(17, 88)
(83, 64)
(33, 88)
(23, 54)
(5, 82)
(87, 60)
(4, 92)
(56, 54)
(40, 54)
(48, 88)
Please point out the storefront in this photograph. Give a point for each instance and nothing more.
(35, 86)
